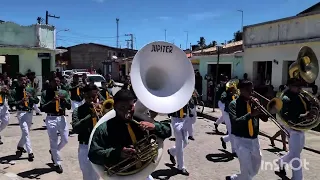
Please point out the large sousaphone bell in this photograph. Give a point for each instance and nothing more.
(305, 68)
(163, 80)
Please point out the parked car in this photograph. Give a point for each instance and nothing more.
(96, 78)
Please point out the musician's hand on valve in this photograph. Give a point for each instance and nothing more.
(144, 125)
(128, 152)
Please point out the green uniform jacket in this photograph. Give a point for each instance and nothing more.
(48, 105)
(82, 122)
(17, 96)
(293, 106)
(226, 98)
(239, 118)
(112, 136)
(73, 91)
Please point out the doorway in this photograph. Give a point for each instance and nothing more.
(11, 66)
(225, 69)
(264, 72)
(45, 69)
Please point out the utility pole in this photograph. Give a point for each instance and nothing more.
(52, 16)
(165, 35)
(216, 80)
(117, 21)
(241, 19)
(187, 39)
(130, 40)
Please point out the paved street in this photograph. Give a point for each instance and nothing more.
(203, 157)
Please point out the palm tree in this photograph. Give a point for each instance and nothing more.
(202, 43)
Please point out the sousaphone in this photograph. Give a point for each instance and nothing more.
(305, 68)
(163, 80)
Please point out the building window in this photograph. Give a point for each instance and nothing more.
(109, 54)
(114, 53)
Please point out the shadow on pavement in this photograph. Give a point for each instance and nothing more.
(225, 156)
(36, 172)
(13, 124)
(164, 174)
(7, 159)
(40, 128)
(215, 133)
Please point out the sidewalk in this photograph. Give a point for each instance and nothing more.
(268, 129)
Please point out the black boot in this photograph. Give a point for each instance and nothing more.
(30, 157)
(224, 145)
(1, 141)
(19, 151)
(58, 169)
(183, 171)
(172, 159)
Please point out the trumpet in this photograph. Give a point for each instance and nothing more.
(274, 106)
(57, 101)
(97, 108)
(25, 96)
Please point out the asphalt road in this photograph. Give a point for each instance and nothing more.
(204, 158)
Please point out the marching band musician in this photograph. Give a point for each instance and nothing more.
(113, 140)
(110, 83)
(245, 128)
(54, 102)
(295, 107)
(23, 98)
(104, 91)
(179, 124)
(35, 84)
(4, 107)
(84, 119)
(76, 92)
(221, 88)
(226, 98)
(193, 115)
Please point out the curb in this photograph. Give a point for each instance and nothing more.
(262, 133)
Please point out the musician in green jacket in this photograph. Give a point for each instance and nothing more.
(75, 89)
(54, 102)
(112, 140)
(24, 97)
(84, 118)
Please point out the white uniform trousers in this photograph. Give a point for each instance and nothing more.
(36, 108)
(296, 144)
(221, 107)
(150, 177)
(181, 136)
(57, 124)
(249, 155)
(4, 116)
(191, 121)
(76, 104)
(25, 122)
(88, 172)
(229, 137)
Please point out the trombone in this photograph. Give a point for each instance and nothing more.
(274, 106)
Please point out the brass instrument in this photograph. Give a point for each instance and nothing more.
(233, 83)
(305, 68)
(147, 150)
(155, 88)
(97, 108)
(4, 90)
(107, 104)
(274, 106)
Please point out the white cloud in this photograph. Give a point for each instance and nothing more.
(203, 16)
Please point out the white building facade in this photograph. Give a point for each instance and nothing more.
(27, 47)
(273, 46)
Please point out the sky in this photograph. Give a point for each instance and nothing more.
(94, 21)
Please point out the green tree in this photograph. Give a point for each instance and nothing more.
(237, 36)
(202, 42)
